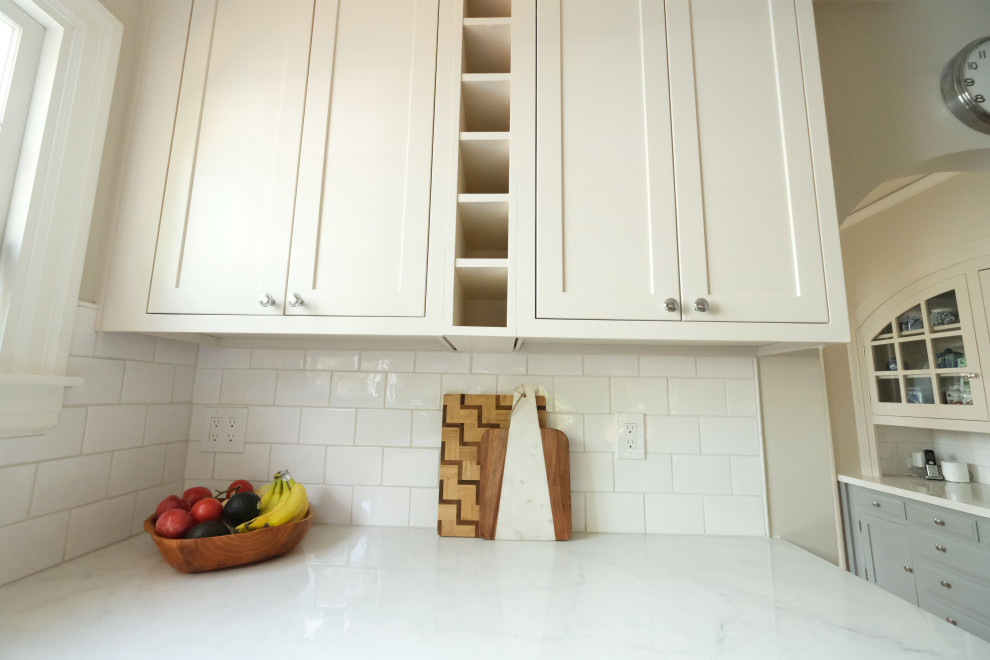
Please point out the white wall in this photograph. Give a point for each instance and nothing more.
(881, 63)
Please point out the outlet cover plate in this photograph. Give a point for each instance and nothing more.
(630, 438)
(225, 428)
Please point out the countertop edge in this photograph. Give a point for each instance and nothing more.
(885, 485)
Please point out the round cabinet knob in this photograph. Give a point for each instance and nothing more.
(908, 569)
(876, 504)
(296, 300)
(700, 305)
(670, 304)
(266, 300)
(951, 620)
(970, 376)
(940, 523)
(945, 584)
(940, 548)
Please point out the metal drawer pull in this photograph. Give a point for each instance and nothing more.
(296, 300)
(909, 569)
(952, 621)
(945, 584)
(700, 305)
(940, 523)
(876, 504)
(266, 300)
(670, 304)
(970, 376)
(940, 548)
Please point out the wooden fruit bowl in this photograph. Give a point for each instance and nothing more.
(209, 554)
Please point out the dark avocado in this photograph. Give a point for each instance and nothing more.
(206, 529)
(241, 508)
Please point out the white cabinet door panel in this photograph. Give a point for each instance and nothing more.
(360, 240)
(227, 213)
(605, 236)
(747, 206)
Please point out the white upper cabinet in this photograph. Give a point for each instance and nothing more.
(359, 243)
(606, 239)
(227, 214)
(747, 212)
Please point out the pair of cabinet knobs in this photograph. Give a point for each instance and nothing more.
(671, 305)
(268, 300)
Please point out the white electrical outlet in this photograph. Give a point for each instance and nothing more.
(225, 430)
(629, 437)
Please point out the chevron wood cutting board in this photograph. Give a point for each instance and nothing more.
(466, 417)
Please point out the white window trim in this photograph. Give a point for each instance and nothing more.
(39, 282)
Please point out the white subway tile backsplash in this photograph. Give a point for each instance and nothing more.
(247, 387)
(277, 358)
(747, 475)
(611, 365)
(62, 441)
(146, 501)
(96, 525)
(199, 464)
(581, 394)
(697, 396)
(327, 426)
(383, 428)
(614, 512)
(553, 364)
(667, 366)
(332, 360)
(730, 436)
(114, 427)
(410, 467)
(426, 428)
(18, 482)
(498, 363)
(377, 505)
(570, 425)
(302, 388)
(134, 469)
(599, 433)
(357, 390)
(578, 515)
(125, 346)
(331, 504)
(69, 482)
(592, 472)
(469, 384)
(104, 380)
(215, 357)
(83, 335)
(175, 461)
(185, 381)
(672, 435)
(353, 466)
(147, 382)
(423, 507)
(725, 367)
(272, 425)
(251, 465)
(640, 395)
(675, 514)
(32, 545)
(206, 386)
(734, 516)
(652, 475)
(740, 398)
(440, 362)
(387, 361)
(420, 391)
(306, 463)
(175, 352)
(707, 475)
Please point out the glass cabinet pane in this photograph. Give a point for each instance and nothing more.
(943, 311)
(888, 389)
(919, 389)
(886, 333)
(954, 390)
(914, 355)
(884, 358)
(949, 351)
(910, 322)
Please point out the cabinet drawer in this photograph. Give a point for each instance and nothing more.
(942, 520)
(951, 552)
(878, 504)
(955, 589)
(983, 530)
(952, 615)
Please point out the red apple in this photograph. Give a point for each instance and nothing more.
(174, 523)
(196, 493)
(208, 508)
(171, 502)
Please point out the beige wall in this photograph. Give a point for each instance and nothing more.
(133, 14)
(881, 63)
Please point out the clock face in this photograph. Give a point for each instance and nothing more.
(966, 85)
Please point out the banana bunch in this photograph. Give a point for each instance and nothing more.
(282, 501)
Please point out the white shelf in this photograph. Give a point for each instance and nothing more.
(487, 48)
(480, 288)
(484, 163)
(485, 104)
(487, 8)
(482, 229)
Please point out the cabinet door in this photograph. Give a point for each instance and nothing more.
(886, 556)
(746, 200)
(227, 213)
(359, 243)
(606, 243)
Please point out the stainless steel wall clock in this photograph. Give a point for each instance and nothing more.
(966, 84)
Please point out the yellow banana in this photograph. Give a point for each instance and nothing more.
(275, 496)
(297, 502)
(266, 493)
(275, 508)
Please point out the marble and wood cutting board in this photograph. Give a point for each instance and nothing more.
(557, 458)
(466, 417)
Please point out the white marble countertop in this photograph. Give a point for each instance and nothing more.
(360, 592)
(971, 498)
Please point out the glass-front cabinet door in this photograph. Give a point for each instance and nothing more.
(922, 361)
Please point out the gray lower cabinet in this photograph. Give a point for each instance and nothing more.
(927, 555)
